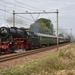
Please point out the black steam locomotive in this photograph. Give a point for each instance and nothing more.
(14, 38)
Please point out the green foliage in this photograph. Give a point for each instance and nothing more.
(42, 25)
(46, 21)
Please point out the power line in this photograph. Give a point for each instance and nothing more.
(19, 6)
(16, 15)
(10, 7)
(27, 5)
(14, 4)
(24, 17)
(5, 11)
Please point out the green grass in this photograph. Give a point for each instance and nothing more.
(51, 64)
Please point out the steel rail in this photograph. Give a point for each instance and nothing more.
(27, 53)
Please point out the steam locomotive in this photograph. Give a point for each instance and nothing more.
(14, 38)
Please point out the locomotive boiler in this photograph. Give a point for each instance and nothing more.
(13, 31)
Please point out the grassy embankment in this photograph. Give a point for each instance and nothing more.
(60, 62)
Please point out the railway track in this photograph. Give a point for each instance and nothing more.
(22, 54)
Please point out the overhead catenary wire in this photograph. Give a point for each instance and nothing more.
(24, 17)
(27, 5)
(11, 7)
(9, 12)
(16, 15)
(5, 11)
(19, 5)
(11, 3)
(14, 4)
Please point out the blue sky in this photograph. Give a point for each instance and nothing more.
(66, 10)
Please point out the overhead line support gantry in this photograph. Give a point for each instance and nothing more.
(44, 12)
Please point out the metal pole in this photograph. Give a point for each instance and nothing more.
(13, 18)
(34, 12)
(32, 17)
(57, 27)
(5, 14)
(71, 35)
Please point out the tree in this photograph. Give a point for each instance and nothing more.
(42, 25)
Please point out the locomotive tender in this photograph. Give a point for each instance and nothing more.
(14, 38)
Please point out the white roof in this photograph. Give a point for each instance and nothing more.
(44, 35)
(47, 35)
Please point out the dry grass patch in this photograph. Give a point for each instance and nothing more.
(60, 62)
